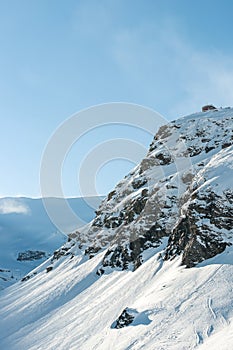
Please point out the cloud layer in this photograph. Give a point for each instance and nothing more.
(13, 206)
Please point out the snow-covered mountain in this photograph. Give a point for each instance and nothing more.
(184, 185)
(153, 270)
(28, 236)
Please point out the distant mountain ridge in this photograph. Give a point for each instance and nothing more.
(28, 236)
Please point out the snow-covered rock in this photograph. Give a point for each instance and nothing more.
(188, 169)
(205, 227)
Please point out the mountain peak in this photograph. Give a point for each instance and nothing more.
(180, 192)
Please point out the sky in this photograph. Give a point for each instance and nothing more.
(60, 57)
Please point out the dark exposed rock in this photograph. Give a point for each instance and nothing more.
(49, 268)
(209, 148)
(199, 235)
(193, 151)
(30, 255)
(111, 194)
(98, 222)
(63, 251)
(4, 270)
(27, 277)
(117, 256)
(131, 317)
(135, 207)
(125, 319)
(91, 251)
(125, 216)
(72, 236)
(4, 279)
(146, 164)
(111, 221)
(164, 158)
(226, 144)
(121, 256)
(139, 182)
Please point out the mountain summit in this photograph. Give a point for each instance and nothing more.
(153, 270)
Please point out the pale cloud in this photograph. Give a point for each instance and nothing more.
(209, 80)
(13, 206)
(160, 58)
(156, 58)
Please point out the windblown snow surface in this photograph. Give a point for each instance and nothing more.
(67, 304)
(72, 308)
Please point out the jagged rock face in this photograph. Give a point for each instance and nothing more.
(206, 226)
(169, 194)
(197, 240)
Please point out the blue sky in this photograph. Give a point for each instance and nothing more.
(58, 57)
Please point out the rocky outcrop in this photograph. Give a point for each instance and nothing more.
(125, 319)
(206, 226)
(176, 193)
(30, 255)
(132, 317)
(198, 240)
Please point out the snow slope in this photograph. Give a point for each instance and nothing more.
(121, 282)
(72, 308)
(25, 225)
